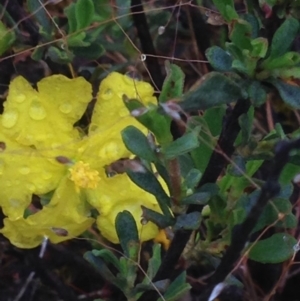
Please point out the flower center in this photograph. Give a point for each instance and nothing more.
(83, 176)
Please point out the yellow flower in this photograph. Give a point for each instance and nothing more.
(82, 178)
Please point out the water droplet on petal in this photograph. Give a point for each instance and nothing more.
(20, 98)
(46, 175)
(9, 118)
(37, 111)
(24, 170)
(107, 94)
(109, 150)
(65, 108)
(30, 187)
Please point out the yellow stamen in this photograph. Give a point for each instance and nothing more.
(83, 176)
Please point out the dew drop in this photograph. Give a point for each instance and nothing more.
(24, 170)
(9, 118)
(296, 248)
(37, 111)
(46, 175)
(144, 221)
(107, 94)
(109, 150)
(65, 108)
(30, 187)
(14, 203)
(20, 98)
(161, 30)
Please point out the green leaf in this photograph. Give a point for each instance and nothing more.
(259, 47)
(91, 52)
(189, 221)
(219, 59)
(241, 34)
(257, 94)
(182, 145)
(77, 40)
(157, 123)
(245, 122)
(70, 13)
(59, 56)
(99, 264)
(198, 198)
(177, 288)
(38, 11)
(173, 83)
(215, 90)
(84, 13)
(137, 143)
(238, 167)
(192, 178)
(275, 249)
(7, 38)
(290, 94)
(147, 181)
(271, 213)
(127, 233)
(157, 218)
(226, 8)
(108, 256)
(289, 59)
(284, 37)
(154, 262)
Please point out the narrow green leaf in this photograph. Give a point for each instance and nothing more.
(137, 143)
(84, 12)
(241, 34)
(173, 83)
(182, 145)
(275, 249)
(215, 90)
(127, 232)
(189, 221)
(107, 256)
(147, 181)
(157, 123)
(177, 288)
(289, 59)
(92, 52)
(157, 218)
(7, 37)
(192, 178)
(219, 59)
(226, 8)
(154, 262)
(290, 94)
(198, 198)
(38, 12)
(70, 13)
(284, 37)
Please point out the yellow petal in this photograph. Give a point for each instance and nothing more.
(109, 108)
(65, 217)
(103, 147)
(24, 171)
(117, 194)
(45, 117)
